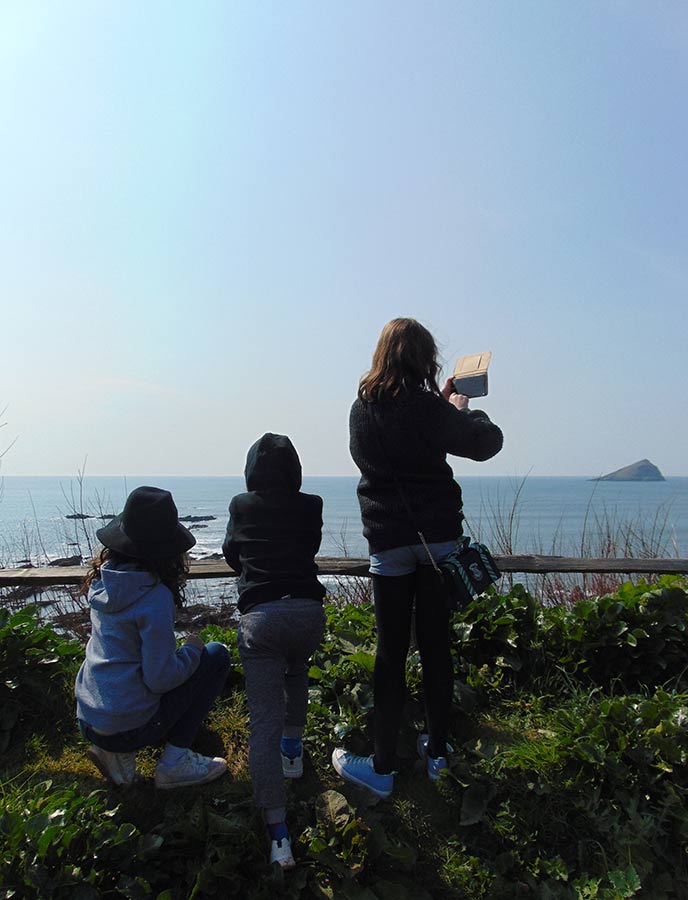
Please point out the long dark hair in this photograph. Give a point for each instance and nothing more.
(405, 358)
(172, 572)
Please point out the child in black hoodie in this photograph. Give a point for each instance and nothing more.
(273, 534)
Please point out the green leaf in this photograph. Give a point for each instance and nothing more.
(475, 802)
(332, 808)
(365, 660)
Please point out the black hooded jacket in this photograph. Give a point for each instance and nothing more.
(410, 437)
(274, 530)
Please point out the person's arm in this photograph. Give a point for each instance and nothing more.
(164, 667)
(230, 547)
(315, 534)
(465, 432)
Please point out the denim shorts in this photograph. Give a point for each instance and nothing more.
(406, 559)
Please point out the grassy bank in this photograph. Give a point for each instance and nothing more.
(569, 778)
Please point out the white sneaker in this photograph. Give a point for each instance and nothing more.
(118, 768)
(280, 852)
(292, 768)
(191, 769)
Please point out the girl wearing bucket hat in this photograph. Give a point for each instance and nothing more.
(135, 686)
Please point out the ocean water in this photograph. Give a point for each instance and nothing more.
(564, 515)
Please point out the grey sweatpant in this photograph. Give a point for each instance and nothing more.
(275, 641)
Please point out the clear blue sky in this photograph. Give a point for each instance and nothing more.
(209, 210)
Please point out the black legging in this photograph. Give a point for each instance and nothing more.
(394, 596)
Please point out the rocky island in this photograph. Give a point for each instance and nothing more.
(643, 470)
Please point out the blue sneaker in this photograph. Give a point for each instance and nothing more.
(360, 770)
(435, 767)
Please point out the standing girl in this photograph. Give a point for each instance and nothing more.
(135, 687)
(401, 427)
(273, 534)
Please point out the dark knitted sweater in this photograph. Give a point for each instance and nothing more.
(274, 529)
(413, 436)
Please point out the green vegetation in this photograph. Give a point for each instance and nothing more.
(569, 780)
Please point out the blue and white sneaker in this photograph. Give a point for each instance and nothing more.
(435, 767)
(280, 852)
(292, 768)
(292, 757)
(361, 771)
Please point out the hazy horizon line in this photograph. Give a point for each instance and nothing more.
(309, 475)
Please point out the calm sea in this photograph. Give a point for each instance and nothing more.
(565, 515)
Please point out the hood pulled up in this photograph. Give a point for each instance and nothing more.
(272, 463)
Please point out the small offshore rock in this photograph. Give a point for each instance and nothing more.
(643, 470)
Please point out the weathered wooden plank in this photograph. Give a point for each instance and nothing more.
(328, 565)
(622, 565)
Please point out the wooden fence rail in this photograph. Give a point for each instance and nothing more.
(52, 576)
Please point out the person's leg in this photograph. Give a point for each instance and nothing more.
(178, 718)
(185, 707)
(308, 619)
(432, 633)
(309, 627)
(393, 574)
(264, 667)
(393, 597)
(180, 715)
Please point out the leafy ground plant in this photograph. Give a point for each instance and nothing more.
(35, 666)
(568, 781)
(55, 842)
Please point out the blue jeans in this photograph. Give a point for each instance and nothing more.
(181, 710)
(406, 559)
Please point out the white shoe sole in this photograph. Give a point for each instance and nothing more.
(170, 785)
(292, 768)
(286, 865)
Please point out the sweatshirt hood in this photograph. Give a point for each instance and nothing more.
(272, 463)
(120, 585)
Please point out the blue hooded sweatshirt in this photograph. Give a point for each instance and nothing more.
(131, 656)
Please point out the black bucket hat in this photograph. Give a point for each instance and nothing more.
(148, 527)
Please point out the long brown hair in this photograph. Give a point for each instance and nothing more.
(405, 358)
(172, 572)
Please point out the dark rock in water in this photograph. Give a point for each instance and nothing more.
(25, 564)
(78, 516)
(194, 527)
(20, 593)
(107, 517)
(197, 518)
(66, 561)
(643, 470)
(212, 556)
